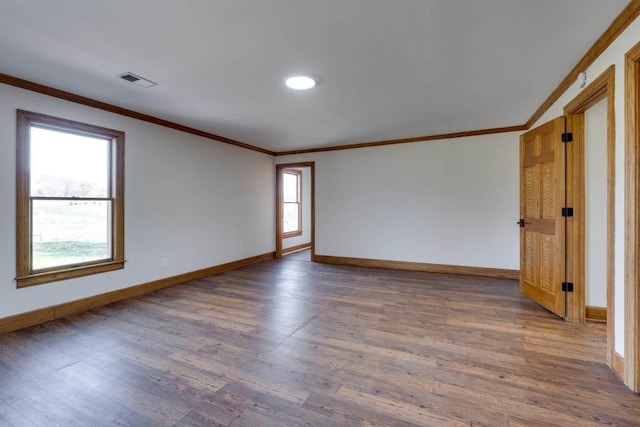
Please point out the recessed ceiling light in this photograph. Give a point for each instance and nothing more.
(300, 82)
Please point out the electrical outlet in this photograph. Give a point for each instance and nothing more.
(164, 262)
(463, 254)
(241, 248)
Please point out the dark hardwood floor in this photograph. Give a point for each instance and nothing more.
(293, 343)
(304, 255)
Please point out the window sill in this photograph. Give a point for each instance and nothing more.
(291, 234)
(69, 273)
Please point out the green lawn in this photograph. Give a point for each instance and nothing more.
(67, 233)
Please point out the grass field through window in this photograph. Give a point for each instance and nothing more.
(69, 232)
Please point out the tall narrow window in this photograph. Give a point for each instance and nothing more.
(292, 203)
(70, 199)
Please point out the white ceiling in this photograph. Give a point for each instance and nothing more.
(386, 69)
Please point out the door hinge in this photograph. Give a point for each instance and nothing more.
(567, 212)
(567, 287)
(567, 137)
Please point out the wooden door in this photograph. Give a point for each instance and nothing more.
(542, 233)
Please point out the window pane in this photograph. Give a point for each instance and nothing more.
(70, 232)
(290, 187)
(68, 165)
(290, 221)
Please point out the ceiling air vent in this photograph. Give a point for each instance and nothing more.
(136, 79)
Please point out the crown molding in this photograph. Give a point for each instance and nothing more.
(89, 102)
(622, 21)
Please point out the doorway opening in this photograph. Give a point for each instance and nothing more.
(557, 251)
(295, 209)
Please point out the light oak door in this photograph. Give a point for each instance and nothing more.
(542, 232)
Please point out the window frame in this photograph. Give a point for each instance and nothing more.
(298, 232)
(25, 274)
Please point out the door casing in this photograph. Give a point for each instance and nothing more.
(602, 87)
(632, 220)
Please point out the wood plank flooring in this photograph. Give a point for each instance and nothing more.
(293, 343)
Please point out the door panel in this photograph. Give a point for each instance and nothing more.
(542, 193)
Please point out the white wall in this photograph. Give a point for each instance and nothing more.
(306, 213)
(452, 201)
(596, 205)
(196, 201)
(613, 55)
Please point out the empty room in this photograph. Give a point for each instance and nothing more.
(319, 213)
